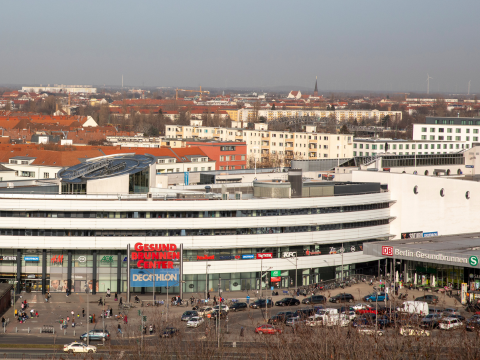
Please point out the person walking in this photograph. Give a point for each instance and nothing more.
(83, 312)
(125, 320)
(73, 314)
(151, 329)
(108, 292)
(119, 329)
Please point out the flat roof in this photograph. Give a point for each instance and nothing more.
(403, 141)
(457, 250)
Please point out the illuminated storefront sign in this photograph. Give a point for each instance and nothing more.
(264, 256)
(163, 277)
(56, 259)
(205, 257)
(249, 256)
(31, 258)
(155, 256)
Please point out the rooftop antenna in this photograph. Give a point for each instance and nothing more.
(469, 81)
(428, 83)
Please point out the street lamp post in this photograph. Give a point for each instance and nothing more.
(219, 309)
(206, 276)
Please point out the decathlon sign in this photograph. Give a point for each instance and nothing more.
(161, 277)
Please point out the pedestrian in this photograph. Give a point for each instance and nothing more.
(125, 320)
(119, 329)
(83, 312)
(73, 314)
(93, 319)
(208, 295)
(116, 296)
(151, 329)
(23, 305)
(145, 329)
(214, 300)
(68, 318)
(36, 314)
(108, 292)
(73, 322)
(121, 301)
(46, 298)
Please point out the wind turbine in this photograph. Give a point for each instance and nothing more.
(469, 81)
(428, 83)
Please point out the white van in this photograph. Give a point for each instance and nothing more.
(414, 307)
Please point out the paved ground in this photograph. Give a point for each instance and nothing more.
(60, 306)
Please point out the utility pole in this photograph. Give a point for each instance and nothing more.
(206, 276)
(88, 311)
(168, 301)
(219, 309)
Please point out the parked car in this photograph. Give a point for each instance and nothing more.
(430, 321)
(280, 317)
(360, 306)
(195, 321)
(315, 299)
(305, 313)
(450, 311)
(429, 299)
(261, 303)
(76, 347)
(376, 297)
(411, 331)
(187, 315)
(224, 308)
(169, 332)
(287, 302)
(366, 311)
(96, 335)
(369, 330)
(457, 316)
(294, 321)
(342, 298)
(450, 323)
(267, 329)
(204, 311)
(384, 321)
(473, 324)
(360, 321)
(239, 306)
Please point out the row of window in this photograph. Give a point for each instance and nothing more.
(194, 232)
(232, 157)
(452, 122)
(416, 146)
(450, 130)
(192, 214)
(400, 153)
(450, 138)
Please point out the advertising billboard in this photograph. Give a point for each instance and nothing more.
(163, 277)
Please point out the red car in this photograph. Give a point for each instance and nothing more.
(267, 329)
(366, 311)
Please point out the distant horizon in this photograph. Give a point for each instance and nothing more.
(279, 88)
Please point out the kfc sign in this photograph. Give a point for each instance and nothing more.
(387, 250)
(288, 254)
(264, 256)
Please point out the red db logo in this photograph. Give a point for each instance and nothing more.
(387, 250)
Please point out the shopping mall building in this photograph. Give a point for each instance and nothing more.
(295, 228)
(77, 234)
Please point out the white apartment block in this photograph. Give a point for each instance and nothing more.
(448, 129)
(340, 115)
(262, 142)
(73, 89)
(373, 147)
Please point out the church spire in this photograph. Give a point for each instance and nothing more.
(315, 92)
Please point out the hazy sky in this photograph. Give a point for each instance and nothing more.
(350, 45)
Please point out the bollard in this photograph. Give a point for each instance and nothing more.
(28, 330)
(73, 332)
(16, 329)
(64, 332)
(40, 331)
(234, 344)
(53, 331)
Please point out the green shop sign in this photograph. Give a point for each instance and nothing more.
(107, 259)
(473, 260)
(275, 273)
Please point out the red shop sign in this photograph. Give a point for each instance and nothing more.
(264, 256)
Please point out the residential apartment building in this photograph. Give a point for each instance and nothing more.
(373, 147)
(262, 143)
(340, 115)
(140, 141)
(227, 155)
(448, 129)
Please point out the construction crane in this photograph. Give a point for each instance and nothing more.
(198, 91)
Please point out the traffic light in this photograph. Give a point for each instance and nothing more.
(144, 318)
